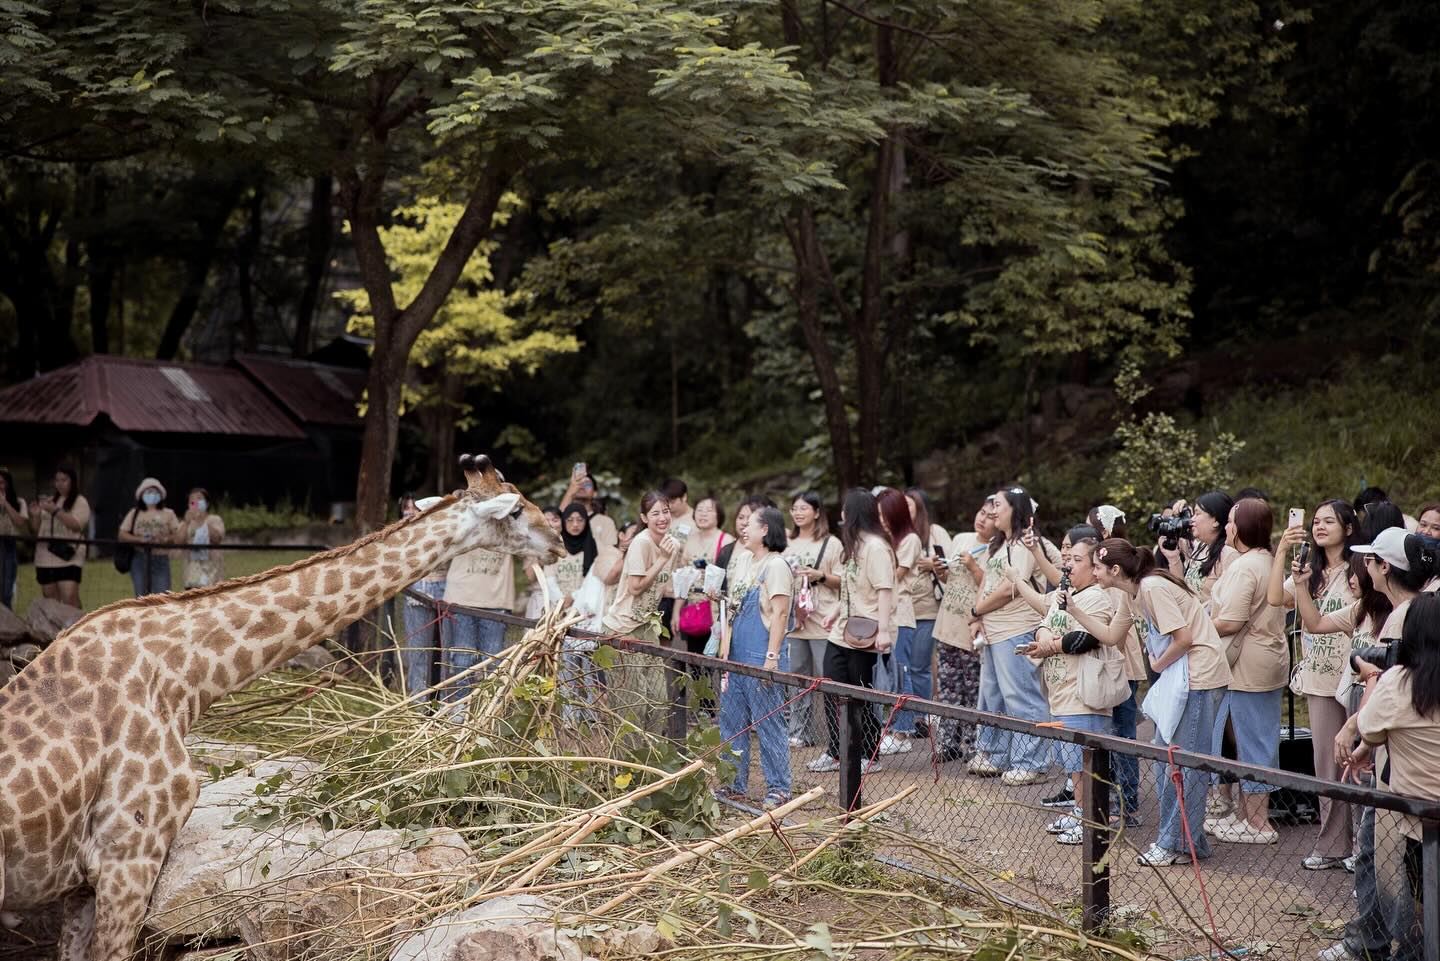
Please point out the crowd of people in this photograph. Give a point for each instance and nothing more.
(60, 521)
(1001, 619)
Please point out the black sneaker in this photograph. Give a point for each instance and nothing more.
(1061, 799)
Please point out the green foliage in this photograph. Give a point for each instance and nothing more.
(244, 519)
(1160, 461)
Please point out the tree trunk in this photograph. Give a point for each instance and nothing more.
(245, 267)
(807, 307)
(319, 233)
(395, 329)
(197, 268)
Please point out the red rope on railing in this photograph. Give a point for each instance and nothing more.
(1178, 776)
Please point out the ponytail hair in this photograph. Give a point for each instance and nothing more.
(1136, 563)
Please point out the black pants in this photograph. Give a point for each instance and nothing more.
(848, 666)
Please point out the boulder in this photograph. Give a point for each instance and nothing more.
(12, 629)
(522, 928)
(292, 889)
(48, 617)
(316, 658)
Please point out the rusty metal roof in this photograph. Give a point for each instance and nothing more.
(312, 393)
(148, 395)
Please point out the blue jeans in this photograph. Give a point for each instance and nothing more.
(1069, 756)
(421, 636)
(1126, 767)
(159, 574)
(1010, 685)
(1194, 734)
(1256, 719)
(754, 703)
(914, 647)
(464, 639)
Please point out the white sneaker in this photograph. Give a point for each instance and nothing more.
(798, 742)
(822, 764)
(891, 744)
(1017, 777)
(1158, 857)
(1243, 832)
(1214, 825)
(980, 766)
(1063, 823)
(868, 766)
(1073, 836)
(1349, 863)
(1337, 952)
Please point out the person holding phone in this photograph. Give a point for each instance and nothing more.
(1060, 654)
(957, 666)
(64, 516)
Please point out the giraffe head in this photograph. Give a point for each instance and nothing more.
(503, 519)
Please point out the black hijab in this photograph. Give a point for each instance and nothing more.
(582, 543)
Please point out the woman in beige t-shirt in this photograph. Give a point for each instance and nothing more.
(899, 523)
(150, 521)
(705, 544)
(867, 590)
(1009, 684)
(1178, 631)
(649, 562)
(957, 668)
(1060, 671)
(59, 518)
(1201, 561)
(1259, 666)
(814, 555)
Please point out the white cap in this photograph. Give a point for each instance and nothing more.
(1389, 546)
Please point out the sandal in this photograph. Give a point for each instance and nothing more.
(774, 800)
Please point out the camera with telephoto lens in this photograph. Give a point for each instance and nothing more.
(1381, 655)
(1063, 601)
(1169, 530)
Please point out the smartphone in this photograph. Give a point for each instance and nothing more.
(681, 532)
(1297, 517)
(579, 469)
(979, 549)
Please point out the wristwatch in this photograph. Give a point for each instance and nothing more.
(973, 612)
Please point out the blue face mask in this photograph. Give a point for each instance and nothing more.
(150, 498)
(200, 505)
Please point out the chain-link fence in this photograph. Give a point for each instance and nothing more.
(1015, 839)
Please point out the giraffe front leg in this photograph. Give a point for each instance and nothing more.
(77, 921)
(121, 899)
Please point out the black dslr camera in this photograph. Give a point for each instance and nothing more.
(1169, 530)
(1062, 601)
(1381, 655)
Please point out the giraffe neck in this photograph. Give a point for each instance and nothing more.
(254, 629)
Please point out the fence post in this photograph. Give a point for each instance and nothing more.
(437, 611)
(1430, 887)
(678, 694)
(1095, 837)
(849, 753)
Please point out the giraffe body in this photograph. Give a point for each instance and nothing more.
(95, 780)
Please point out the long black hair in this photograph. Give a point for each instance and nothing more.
(1351, 530)
(1022, 512)
(69, 472)
(11, 497)
(924, 515)
(1379, 516)
(1217, 504)
(1423, 556)
(860, 515)
(1374, 605)
(1419, 652)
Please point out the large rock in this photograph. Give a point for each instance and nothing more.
(48, 617)
(315, 658)
(292, 889)
(12, 629)
(521, 928)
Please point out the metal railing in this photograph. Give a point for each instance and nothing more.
(1243, 898)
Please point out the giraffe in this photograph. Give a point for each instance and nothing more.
(95, 781)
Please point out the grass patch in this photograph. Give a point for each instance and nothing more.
(102, 584)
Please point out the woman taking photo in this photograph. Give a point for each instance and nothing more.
(202, 565)
(867, 598)
(14, 520)
(756, 637)
(814, 554)
(957, 665)
(1061, 660)
(1259, 667)
(1325, 650)
(1179, 635)
(62, 518)
(1207, 554)
(1009, 684)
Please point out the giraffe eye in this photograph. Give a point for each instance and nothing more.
(515, 514)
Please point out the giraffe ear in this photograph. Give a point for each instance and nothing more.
(499, 506)
(425, 503)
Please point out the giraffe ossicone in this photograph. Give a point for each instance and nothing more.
(95, 781)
